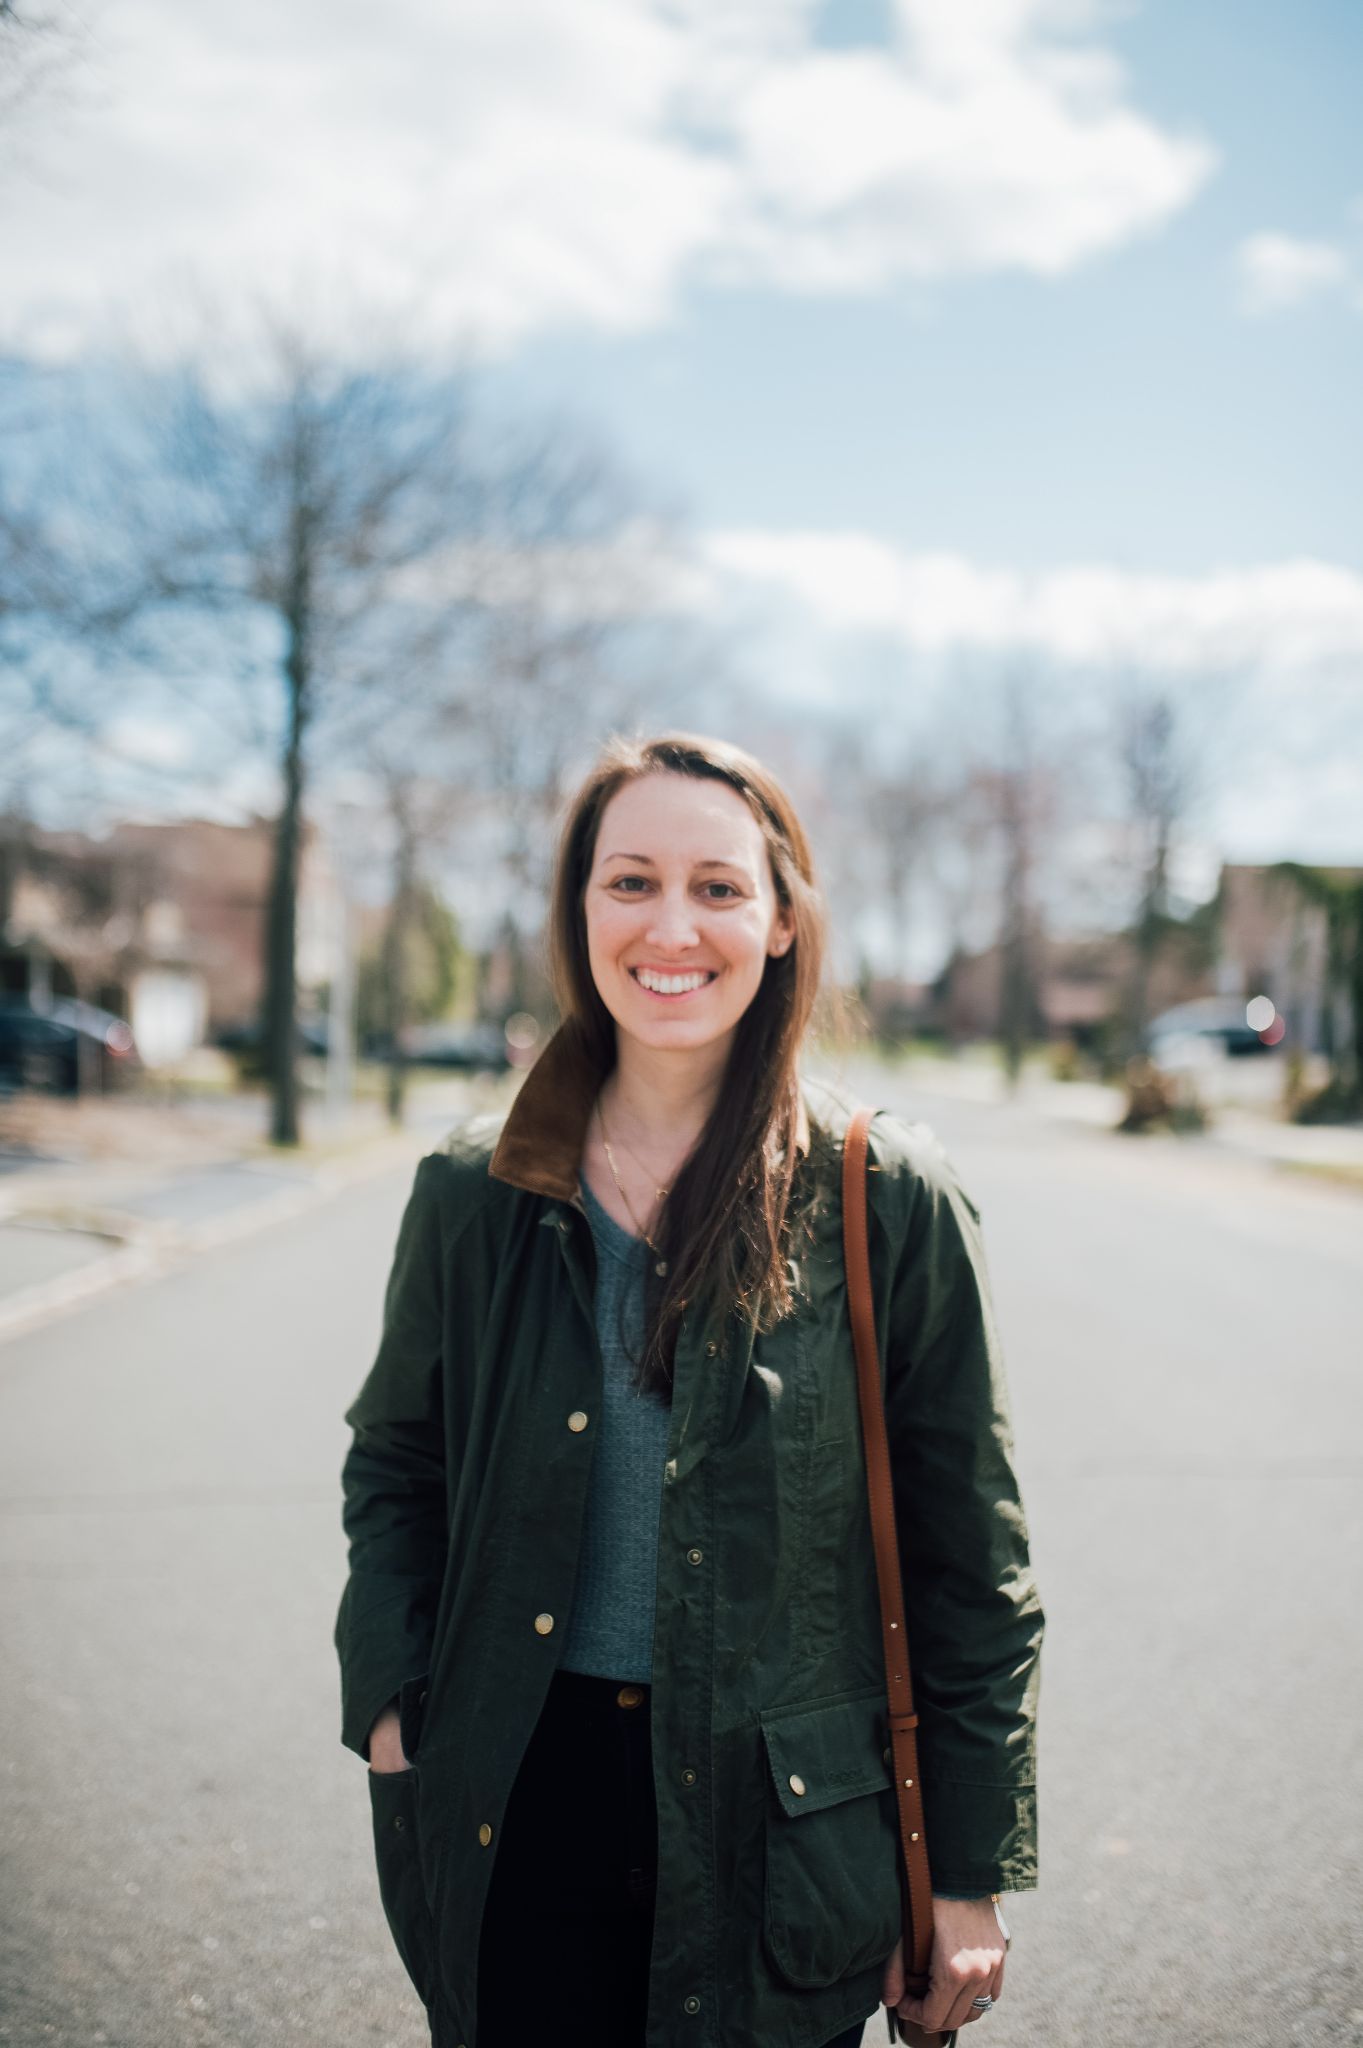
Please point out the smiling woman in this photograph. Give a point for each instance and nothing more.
(683, 887)
(612, 1631)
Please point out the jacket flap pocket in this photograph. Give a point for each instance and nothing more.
(826, 1750)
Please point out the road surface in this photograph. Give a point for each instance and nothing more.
(185, 1848)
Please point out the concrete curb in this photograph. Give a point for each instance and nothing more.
(147, 1249)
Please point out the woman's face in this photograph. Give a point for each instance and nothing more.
(681, 910)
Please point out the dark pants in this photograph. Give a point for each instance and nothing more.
(568, 1924)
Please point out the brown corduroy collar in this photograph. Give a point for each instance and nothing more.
(540, 1146)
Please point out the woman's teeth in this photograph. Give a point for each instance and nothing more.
(670, 984)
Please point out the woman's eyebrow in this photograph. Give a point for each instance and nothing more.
(642, 860)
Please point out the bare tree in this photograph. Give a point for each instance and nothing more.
(1157, 778)
(56, 606)
(271, 524)
(570, 589)
(876, 805)
(38, 45)
(532, 631)
(1017, 792)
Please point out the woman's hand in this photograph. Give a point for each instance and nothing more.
(966, 1962)
(385, 1743)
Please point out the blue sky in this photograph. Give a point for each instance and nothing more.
(1128, 410)
(964, 331)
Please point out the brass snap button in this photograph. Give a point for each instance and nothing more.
(629, 1696)
(797, 1783)
(577, 1420)
(694, 1556)
(543, 1624)
(485, 1834)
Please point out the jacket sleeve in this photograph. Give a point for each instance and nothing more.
(972, 1609)
(393, 1481)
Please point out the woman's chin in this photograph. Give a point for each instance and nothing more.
(688, 1034)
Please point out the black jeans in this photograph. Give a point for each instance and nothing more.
(568, 1924)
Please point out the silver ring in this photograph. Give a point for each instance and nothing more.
(983, 2003)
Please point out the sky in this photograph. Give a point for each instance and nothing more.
(961, 330)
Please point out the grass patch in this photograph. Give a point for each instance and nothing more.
(1339, 1171)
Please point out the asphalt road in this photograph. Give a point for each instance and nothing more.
(185, 1853)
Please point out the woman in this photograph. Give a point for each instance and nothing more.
(623, 1701)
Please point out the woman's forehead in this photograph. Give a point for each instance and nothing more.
(669, 817)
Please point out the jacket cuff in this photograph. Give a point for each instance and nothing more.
(981, 1838)
(361, 1709)
(383, 1641)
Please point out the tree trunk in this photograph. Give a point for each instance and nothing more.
(1353, 988)
(281, 972)
(1016, 1002)
(395, 945)
(1018, 1005)
(1146, 940)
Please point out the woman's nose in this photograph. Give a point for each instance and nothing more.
(674, 923)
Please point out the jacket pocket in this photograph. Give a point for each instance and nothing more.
(393, 1799)
(833, 1899)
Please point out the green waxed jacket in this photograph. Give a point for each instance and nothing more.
(464, 1490)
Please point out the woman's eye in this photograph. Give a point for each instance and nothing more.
(624, 886)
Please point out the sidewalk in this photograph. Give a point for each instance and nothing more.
(1332, 1152)
(93, 1194)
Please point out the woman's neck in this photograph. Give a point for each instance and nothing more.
(657, 1100)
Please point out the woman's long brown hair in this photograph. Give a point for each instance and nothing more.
(723, 1228)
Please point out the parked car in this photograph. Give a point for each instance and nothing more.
(41, 1048)
(249, 1037)
(1212, 1024)
(473, 1048)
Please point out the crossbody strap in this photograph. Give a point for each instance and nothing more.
(903, 1721)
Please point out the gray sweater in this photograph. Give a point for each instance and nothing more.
(610, 1629)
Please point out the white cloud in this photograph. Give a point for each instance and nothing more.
(1286, 617)
(512, 164)
(1278, 271)
(149, 742)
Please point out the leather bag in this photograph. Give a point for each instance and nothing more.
(898, 1679)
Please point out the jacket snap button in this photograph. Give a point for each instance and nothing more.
(398, 1822)
(711, 1349)
(543, 1624)
(691, 2004)
(577, 1420)
(629, 1696)
(694, 1556)
(485, 1834)
(688, 1777)
(797, 1783)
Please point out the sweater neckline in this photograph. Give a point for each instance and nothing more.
(622, 1244)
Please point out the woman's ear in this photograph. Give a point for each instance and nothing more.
(783, 936)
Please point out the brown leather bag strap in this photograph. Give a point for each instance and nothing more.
(898, 1679)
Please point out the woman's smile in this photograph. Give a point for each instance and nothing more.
(674, 985)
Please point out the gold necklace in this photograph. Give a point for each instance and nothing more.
(660, 1266)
